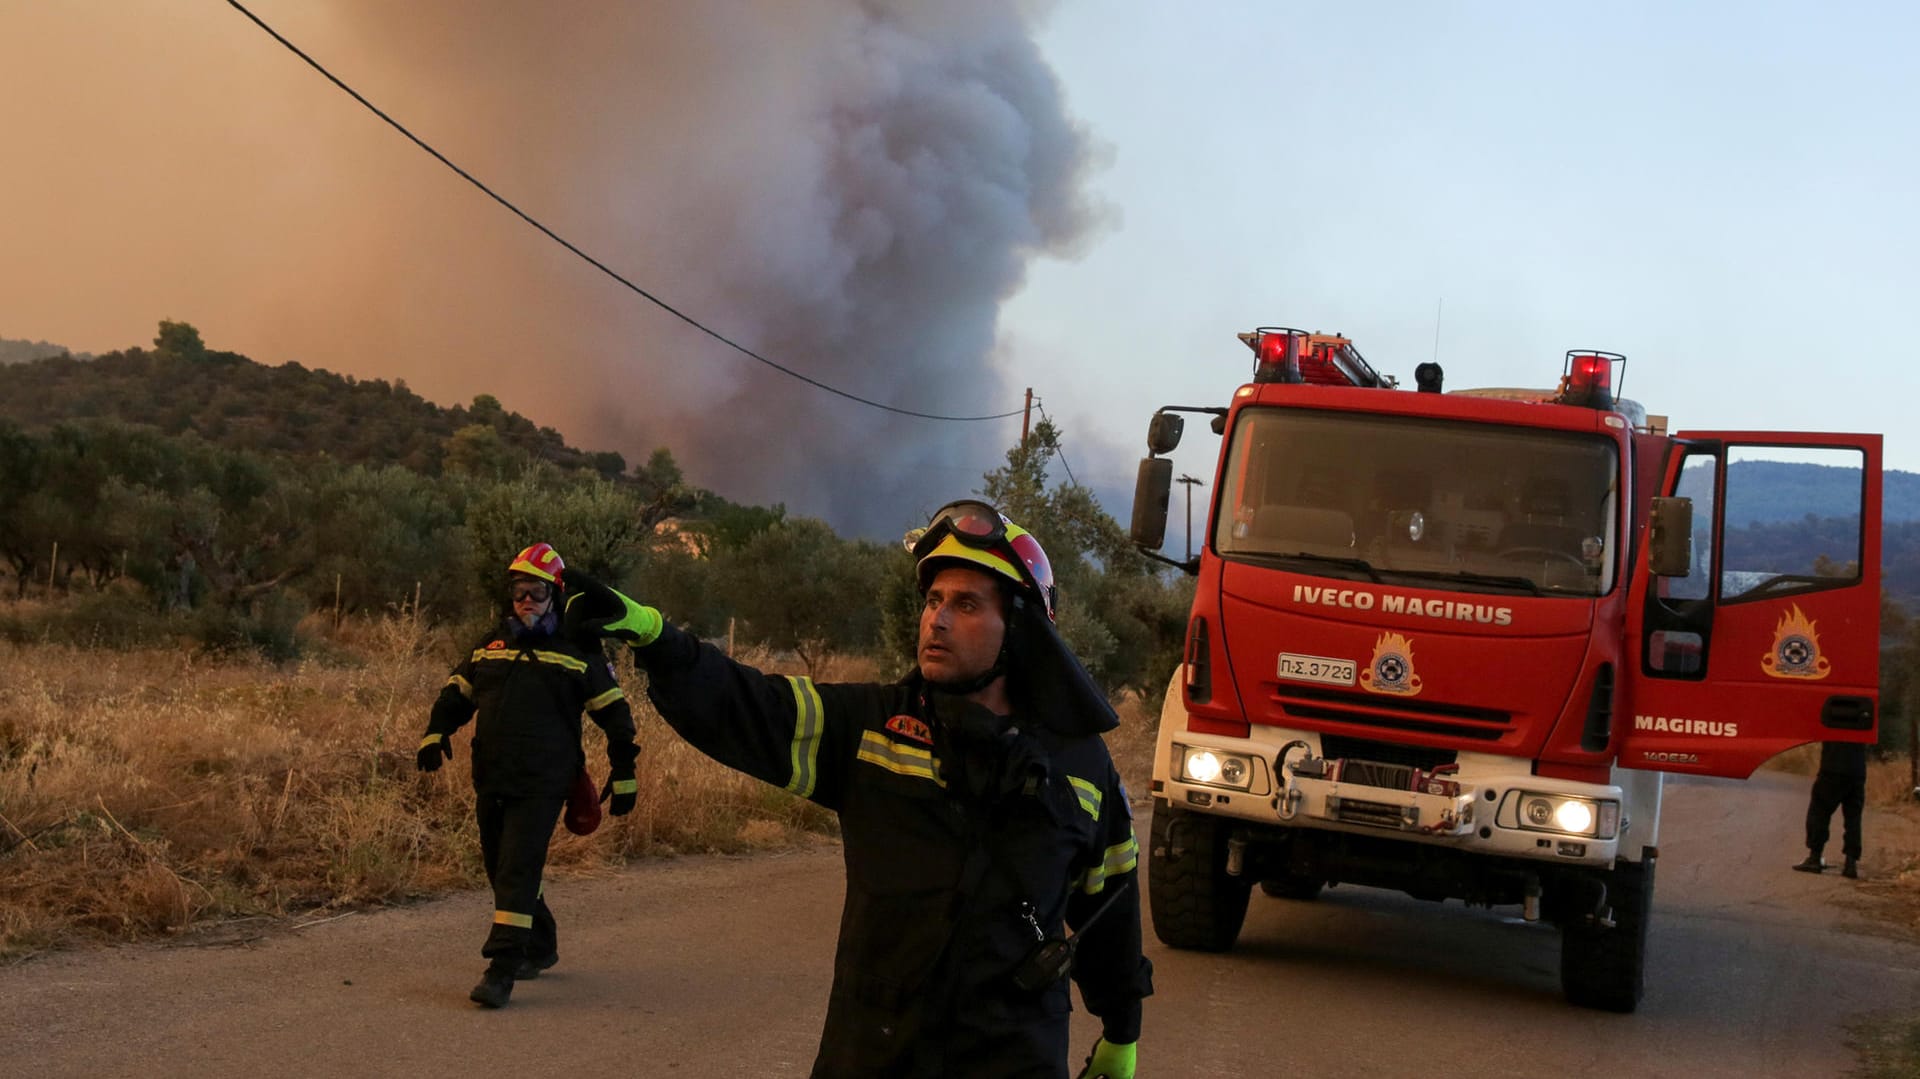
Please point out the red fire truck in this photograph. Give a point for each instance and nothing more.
(1448, 642)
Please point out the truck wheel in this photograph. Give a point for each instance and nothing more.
(1603, 967)
(1195, 904)
(1292, 887)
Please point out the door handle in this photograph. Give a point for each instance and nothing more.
(1847, 713)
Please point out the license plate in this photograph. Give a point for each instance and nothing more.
(1333, 672)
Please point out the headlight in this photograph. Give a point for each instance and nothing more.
(1574, 817)
(1215, 769)
(1538, 811)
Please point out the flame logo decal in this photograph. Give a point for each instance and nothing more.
(1391, 669)
(1796, 649)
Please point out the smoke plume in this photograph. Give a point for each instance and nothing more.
(850, 188)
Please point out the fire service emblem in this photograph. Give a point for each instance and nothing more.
(1796, 649)
(1391, 669)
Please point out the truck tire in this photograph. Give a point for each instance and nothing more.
(1604, 967)
(1196, 905)
(1288, 886)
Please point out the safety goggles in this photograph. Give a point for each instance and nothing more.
(973, 523)
(977, 525)
(537, 591)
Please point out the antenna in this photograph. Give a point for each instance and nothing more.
(1438, 304)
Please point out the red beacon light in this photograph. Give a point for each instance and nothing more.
(1284, 354)
(1588, 378)
(1276, 354)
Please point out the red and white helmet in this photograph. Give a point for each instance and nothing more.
(540, 561)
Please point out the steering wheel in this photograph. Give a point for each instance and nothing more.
(1541, 554)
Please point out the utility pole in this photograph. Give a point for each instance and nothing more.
(1188, 482)
(1026, 414)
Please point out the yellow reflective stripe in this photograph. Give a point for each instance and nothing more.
(465, 687)
(899, 758)
(507, 917)
(626, 786)
(807, 726)
(1088, 794)
(558, 659)
(1119, 858)
(561, 659)
(431, 739)
(604, 699)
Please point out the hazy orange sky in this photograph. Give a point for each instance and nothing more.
(850, 188)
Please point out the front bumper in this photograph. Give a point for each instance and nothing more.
(1467, 810)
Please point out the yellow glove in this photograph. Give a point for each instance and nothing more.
(1110, 1061)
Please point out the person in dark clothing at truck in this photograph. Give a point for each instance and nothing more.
(529, 684)
(1841, 783)
(981, 816)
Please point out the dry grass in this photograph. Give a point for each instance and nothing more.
(1131, 744)
(144, 792)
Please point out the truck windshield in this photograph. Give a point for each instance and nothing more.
(1462, 505)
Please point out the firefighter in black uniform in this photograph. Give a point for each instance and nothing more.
(1842, 785)
(979, 809)
(529, 684)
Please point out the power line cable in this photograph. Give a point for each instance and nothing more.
(1056, 442)
(596, 263)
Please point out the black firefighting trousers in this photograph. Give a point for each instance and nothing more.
(513, 844)
(1831, 791)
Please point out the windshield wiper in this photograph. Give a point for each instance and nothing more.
(1360, 564)
(1527, 583)
(1498, 580)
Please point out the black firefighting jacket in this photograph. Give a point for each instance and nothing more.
(961, 852)
(529, 690)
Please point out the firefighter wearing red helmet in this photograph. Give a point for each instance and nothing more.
(982, 819)
(528, 683)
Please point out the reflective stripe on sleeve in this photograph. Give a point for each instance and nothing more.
(507, 917)
(465, 687)
(431, 739)
(807, 727)
(604, 699)
(1088, 794)
(1119, 858)
(899, 758)
(626, 786)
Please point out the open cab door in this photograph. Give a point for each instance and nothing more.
(1765, 634)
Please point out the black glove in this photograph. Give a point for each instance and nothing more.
(623, 789)
(594, 611)
(434, 749)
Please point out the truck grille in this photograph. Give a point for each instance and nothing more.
(1412, 717)
(1425, 758)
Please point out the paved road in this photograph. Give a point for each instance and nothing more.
(719, 966)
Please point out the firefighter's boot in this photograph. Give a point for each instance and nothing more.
(531, 966)
(1813, 864)
(496, 985)
(1851, 870)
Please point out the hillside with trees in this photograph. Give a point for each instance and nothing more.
(180, 386)
(189, 491)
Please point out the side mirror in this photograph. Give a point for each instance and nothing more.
(1151, 490)
(1670, 537)
(1163, 434)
